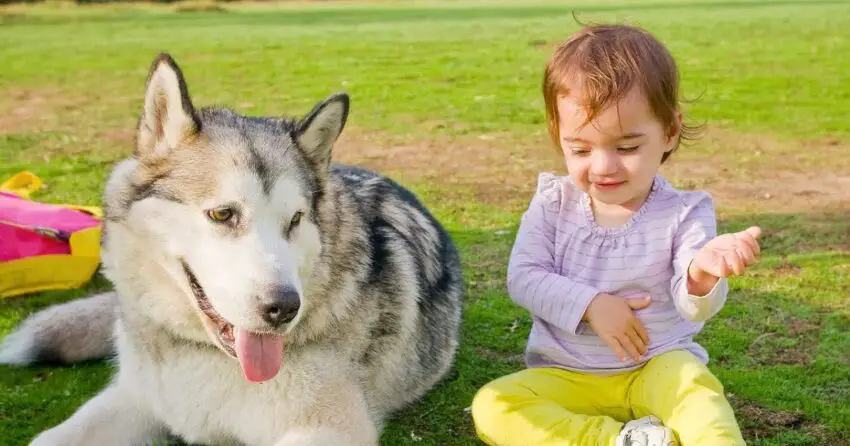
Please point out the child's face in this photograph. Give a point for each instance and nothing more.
(615, 157)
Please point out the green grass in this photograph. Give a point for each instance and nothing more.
(71, 83)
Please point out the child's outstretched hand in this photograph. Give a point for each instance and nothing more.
(613, 319)
(723, 256)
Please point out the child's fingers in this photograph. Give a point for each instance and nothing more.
(615, 347)
(717, 265)
(753, 231)
(639, 304)
(734, 262)
(629, 346)
(644, 336)
(636, 340)
(747, 237)
(747, 255)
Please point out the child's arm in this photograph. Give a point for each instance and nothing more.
(533, 281)
(702, 261)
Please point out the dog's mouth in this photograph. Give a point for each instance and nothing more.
(258, 354)
(224, 329)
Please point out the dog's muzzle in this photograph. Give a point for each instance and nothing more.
(224, 332)
(277, 307)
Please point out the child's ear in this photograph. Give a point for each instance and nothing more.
(674, 131)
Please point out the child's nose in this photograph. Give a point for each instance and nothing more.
(604, 162)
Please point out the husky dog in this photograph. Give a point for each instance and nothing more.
(263, 295)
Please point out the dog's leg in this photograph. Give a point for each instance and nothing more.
(111, 418)
(341, 419)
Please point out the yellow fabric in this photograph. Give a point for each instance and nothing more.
(550, 406)
(22, 184)
(50, 272)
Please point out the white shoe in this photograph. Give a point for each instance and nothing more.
(646, 431)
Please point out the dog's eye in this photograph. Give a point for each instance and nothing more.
(296, 219)
(220, 215)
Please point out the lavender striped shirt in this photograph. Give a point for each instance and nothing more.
(561, 259)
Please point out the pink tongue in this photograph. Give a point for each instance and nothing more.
(259, 354)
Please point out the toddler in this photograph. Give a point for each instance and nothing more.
(618, 268)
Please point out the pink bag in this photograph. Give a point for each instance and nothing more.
(29, 228)
(44, 246)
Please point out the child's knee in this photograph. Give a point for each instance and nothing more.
(486, 408)
(482, 404)
(490, 400)
(494, 400)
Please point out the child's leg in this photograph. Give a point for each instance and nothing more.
(681, 391)
(550, 406)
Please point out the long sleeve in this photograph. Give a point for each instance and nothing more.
(532, 278)
(698, 227)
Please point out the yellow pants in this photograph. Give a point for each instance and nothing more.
(549, 406)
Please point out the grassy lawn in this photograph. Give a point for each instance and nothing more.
(446, 99)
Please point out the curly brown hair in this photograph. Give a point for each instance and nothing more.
(608, 61)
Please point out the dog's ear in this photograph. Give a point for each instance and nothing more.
(319, 129)
(168, 118)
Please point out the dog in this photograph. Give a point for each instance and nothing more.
(263, 294)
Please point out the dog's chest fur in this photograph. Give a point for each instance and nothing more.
(201, 395)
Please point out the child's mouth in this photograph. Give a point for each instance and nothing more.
(608, 185)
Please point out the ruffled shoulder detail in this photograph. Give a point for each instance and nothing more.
(551, 188)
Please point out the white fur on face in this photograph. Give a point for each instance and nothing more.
(236, 267)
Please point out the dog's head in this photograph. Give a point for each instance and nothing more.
(231, 204)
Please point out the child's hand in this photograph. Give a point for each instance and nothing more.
(723, 256)
(613, 319)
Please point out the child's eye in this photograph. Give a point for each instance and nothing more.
(579, 151)
(628, 149)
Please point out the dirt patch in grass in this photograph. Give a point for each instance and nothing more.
(123, 137)
(31, 110)
(767, 188)
(766, 423)
(787, 268)
(777, 418)
(796, 347)
(759, 422)
(496, 173)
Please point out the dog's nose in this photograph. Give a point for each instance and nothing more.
(280, 305)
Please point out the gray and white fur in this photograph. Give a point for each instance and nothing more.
(226, 236)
